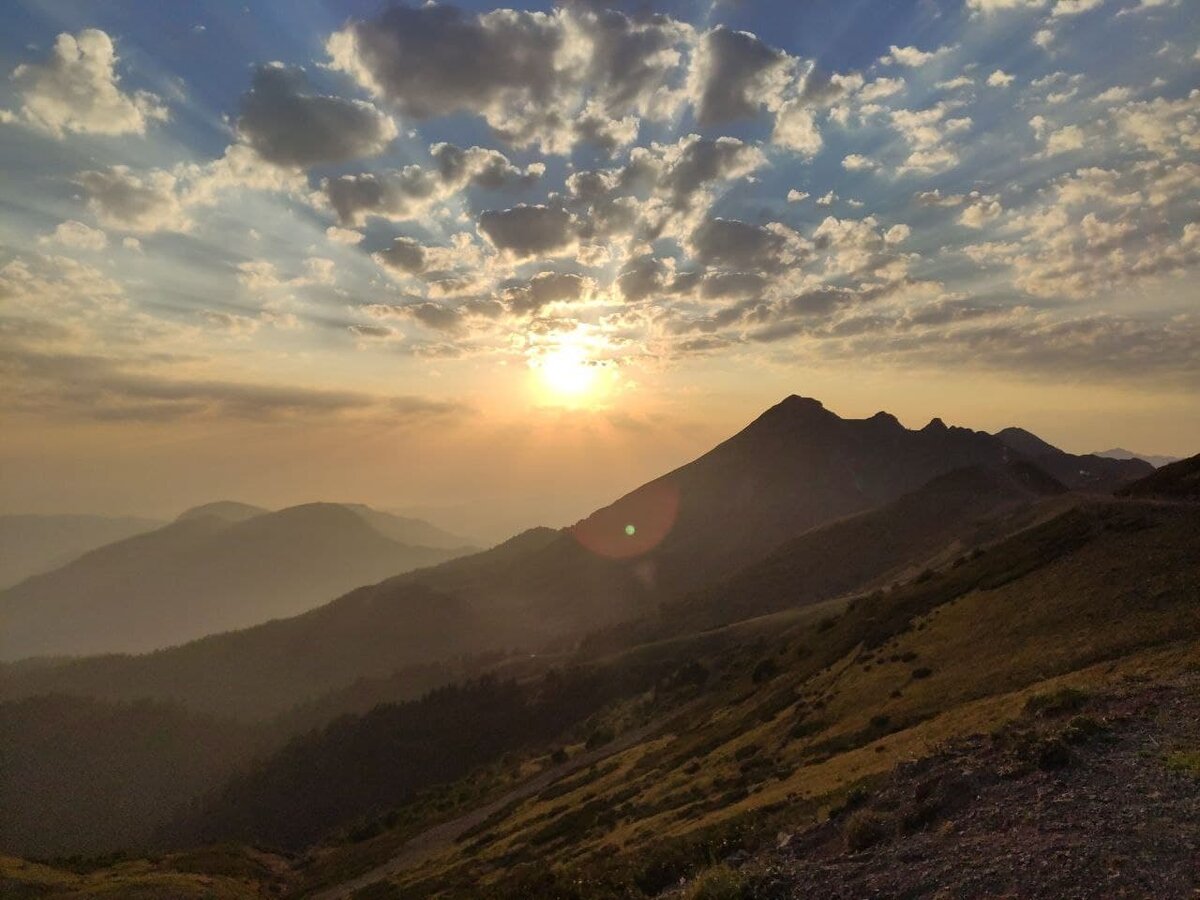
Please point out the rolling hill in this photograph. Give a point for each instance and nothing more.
(30, 545)
(795, 467)
(214, 569)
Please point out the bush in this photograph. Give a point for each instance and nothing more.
(922, 672)
(717, 883)
(559, 756)
(864, 829)
(765, 671)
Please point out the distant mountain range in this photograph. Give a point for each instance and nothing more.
(1122, 453)
(216, 568)
(30, 545)
(796, 467)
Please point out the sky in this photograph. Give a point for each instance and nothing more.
(500, 264)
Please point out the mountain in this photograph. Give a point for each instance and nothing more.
(30, 545)
(932, 526)
(1122, 453)
(226, 510)
(721, 739)
(207, 572)
(1175, 481)
(795, 467)
(1093, 473)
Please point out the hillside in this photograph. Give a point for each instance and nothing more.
(933, 525)
(768, 725)
(202, 574)
(85, 776)
(1176, 481)
(30, 545)
(795, 467)
(1092, 472)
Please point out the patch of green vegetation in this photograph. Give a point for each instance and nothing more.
(1185, 761)
(718, 883)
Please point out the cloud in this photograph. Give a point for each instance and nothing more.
(928, 132)
(1073, 7)
(795, 196)
(525, 231)
(1000, 78)
(550, 79)
(911, 56)
(404, 255)
(347, 236)
(1056, 140)
(121, 199)
(286, 124)
(982, 209)
(1164, 127)
(856, 162)
(735, 74)
(408, 193)
(77, 90)
(75, 234)
(744, 247)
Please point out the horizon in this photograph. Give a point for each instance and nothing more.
(249, 254)
(515, 523)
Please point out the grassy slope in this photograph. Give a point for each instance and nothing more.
(1086, 596)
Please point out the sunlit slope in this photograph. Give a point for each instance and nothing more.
(791, 717)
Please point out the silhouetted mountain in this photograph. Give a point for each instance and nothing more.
(795, 467)
(30, 545)
(1121, 453)
(1080, 473)
(226, 510)
(1177, 481)
(269, 668)
(934, 525)
(204, 573)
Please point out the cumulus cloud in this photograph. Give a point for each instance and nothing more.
(127, 201)
(525, 231)
(76, 234)
(77, 90)
(741, 246)
(735, 74)
(982, 209)
(289, 125)
(550, 79)
(911, 56)
(410, 192)
(1000, 78)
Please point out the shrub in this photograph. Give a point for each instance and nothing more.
(1082, 729)
(765, 671)
(827, 623)
(922, 672)
(864, 829)
(880, 722)
(559, 756)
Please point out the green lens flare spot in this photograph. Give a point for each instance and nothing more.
(630, 530)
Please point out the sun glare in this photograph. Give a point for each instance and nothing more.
(568, 373)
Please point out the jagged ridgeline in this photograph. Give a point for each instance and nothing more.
(737, 650)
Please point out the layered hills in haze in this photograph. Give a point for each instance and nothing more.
(216, 568)
(808, 602)
(795, 467)
(30, 545)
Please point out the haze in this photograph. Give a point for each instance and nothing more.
(249, 255)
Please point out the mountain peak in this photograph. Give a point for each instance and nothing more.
(935, 425)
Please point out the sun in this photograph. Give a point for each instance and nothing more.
(568, 373)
